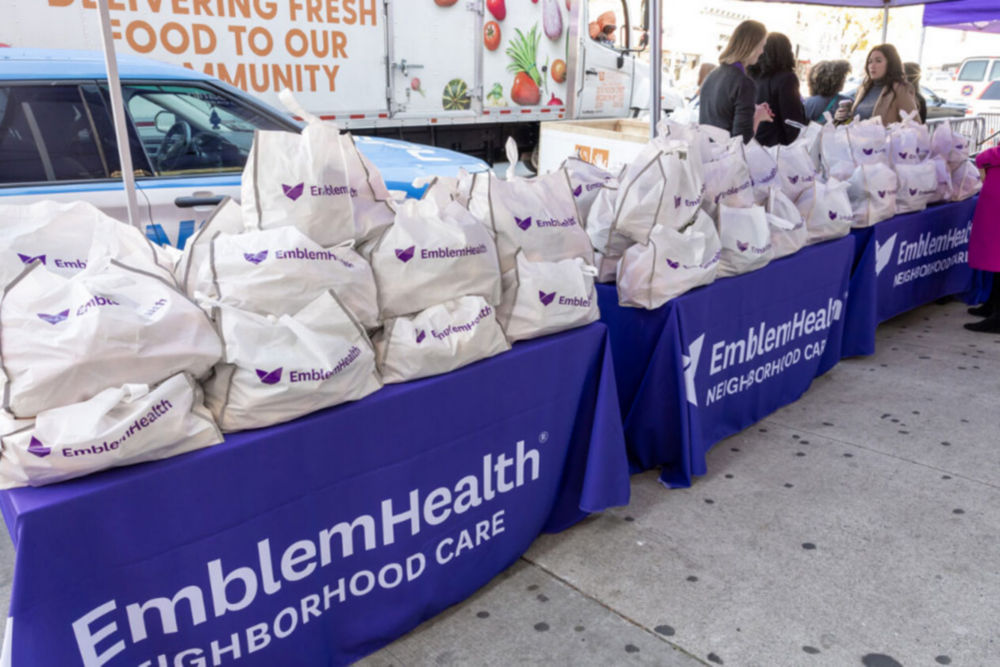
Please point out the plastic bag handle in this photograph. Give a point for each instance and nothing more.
(510, 148)
(293, 106)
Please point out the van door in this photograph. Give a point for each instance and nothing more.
(607, 71)
(434, 59)
(971, 77)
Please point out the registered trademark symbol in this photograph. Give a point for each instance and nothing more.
(543, 436)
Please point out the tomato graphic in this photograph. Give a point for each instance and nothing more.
(491, 35)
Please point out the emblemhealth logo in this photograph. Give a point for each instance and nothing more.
(883, 253)
(690, 362)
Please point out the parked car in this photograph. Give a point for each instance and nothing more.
(937, 106)
(988, 101)
(190, 135)
(974, 74)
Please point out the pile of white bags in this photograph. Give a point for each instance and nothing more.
(746, 239)
(279, 368)
(586, 180)
(670, 264)
(826, 208)
(873, 193)
(788, 227)
(953, 149)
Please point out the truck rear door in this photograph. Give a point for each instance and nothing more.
(434, 59)
(607, 72)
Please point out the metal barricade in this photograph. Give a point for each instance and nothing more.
(972, 128)
(991, 131)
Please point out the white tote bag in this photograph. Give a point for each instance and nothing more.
(796, 171)
(439, 339)
(446, 189)
(672, 263)
(546, 297)
(300, 179)
(600, 222)
(664, 190)
(917, 185)
(943, 175)
(586, 180)
(727, 180)
(763, 170)
(835, 150)
(430, 256)
(965, 181)
(788, 227)
(869, 142)
(193, 271)
(278, 271)
(607, 266)
(873, 194)
(119, 426)
(909, 140)
(63, 236)
(826, 208)
(279, 368)
(950, 145)
(370, 198)
(67, 339)
(746, 239)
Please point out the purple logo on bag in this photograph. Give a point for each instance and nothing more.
(405, 254)
(867, 151)
(37, 448)
(903, 154)
(832, 214)
(672, 264)
(546, 299)
(28, 259)
(274, 377)
(793, 179)
(881, 194)
(678, 201)
(742, 246)
(55, 319)
(293, 192)
(421, 335)
(523, 223)
(913, 192)
(255, 258)
(577, 191)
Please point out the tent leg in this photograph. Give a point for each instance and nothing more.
(885, 23)
(118, 114)
(920, 53)
(655, 65)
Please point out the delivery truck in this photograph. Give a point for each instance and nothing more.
(461, 74)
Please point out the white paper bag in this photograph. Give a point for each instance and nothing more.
(746, 239)
(672, 263)
(64, 340)
(430, 256)
(788, 227)
(278, 271)
(438, 340)
(918, 184)
(873, 194)
(277, 369)
(302, 180)
(827, 210)
(119, 426)
(546, 297)
(63, 237)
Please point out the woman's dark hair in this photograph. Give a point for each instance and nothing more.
(826, 78)
(893, 69)
(777, 57)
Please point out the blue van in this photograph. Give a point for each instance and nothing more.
(190, 135)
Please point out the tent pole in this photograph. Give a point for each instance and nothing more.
(885, 23)
(920, 53)
(655, 65)
(118, 113)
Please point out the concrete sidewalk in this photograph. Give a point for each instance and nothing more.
(858, 526)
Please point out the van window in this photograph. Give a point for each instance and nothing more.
(187, 129)
(992, 92)
(47, 133)
(995, 71)
(973, 70)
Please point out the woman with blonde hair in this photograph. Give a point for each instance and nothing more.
(727, 94)
(885, 91)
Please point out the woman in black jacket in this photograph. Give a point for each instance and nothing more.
(727, 95)
(778, 87)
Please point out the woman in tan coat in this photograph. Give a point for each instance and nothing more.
(885, 91)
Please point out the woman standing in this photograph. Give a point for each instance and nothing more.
(826, 80)
(984, 241)
(885, 91)
(727, 95)
(778, 87)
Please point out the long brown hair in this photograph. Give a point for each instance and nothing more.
(747, 36)
(893, 70)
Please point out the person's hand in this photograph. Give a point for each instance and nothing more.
(841, 115)
(762, 113)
